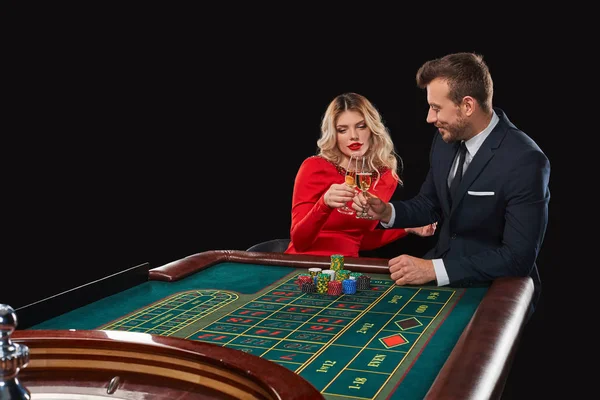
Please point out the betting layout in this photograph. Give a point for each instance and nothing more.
(358, 343)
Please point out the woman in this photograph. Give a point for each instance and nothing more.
(351, 126)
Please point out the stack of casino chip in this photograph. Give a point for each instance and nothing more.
(314, 272)
(363, 282)
(309, 287)
(337, 262)
(342, 274)
(349, 286)
(304, 278)
(334, 288)
(322, 281)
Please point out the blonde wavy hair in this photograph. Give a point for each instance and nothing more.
(381, 153)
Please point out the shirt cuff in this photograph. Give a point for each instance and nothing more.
(440, 272)
(392, 218)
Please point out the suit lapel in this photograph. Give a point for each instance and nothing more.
(483, 156)
(481, 159)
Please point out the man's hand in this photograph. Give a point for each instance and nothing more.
(338, 195)
(408, 270)
(373, 206)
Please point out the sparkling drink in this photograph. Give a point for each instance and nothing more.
(364, 180)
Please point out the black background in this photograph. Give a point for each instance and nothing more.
(149, 136)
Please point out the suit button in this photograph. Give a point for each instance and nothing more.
(454, 236)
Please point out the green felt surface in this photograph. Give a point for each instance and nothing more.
(222, 276)
(387, 342)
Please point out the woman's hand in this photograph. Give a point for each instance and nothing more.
(338, 195)
(427, 230)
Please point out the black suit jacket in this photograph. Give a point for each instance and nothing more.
(496, 225)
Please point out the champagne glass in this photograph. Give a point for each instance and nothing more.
(364, 177)
(350, 180)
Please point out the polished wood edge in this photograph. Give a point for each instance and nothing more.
(278, 381)
(179, 269)
(478, 365)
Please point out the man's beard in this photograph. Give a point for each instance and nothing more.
(456, 131)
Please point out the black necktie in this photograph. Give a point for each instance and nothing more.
(462, 152)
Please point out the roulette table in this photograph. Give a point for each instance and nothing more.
(383, 342)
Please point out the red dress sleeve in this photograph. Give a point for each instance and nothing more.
(317, 229)
(377, 238)
(309, 211)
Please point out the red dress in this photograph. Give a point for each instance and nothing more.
(320, 230)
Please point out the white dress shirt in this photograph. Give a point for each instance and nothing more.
(473, 146)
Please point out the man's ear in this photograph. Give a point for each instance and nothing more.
(468, 105)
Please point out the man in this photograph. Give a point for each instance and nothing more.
(493, 217)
